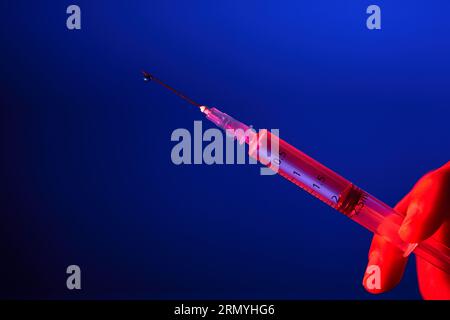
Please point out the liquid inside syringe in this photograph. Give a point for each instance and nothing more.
(324, 184)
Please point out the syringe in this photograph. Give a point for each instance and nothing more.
(324, 184)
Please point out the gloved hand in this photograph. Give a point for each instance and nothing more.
(427, 213)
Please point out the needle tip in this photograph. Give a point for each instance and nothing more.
(147, 76)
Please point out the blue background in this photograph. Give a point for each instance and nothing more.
(86, 172)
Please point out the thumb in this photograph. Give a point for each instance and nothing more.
(427, 208)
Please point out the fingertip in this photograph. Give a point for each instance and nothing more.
(372, 275)
(411, 229)
(385, 267)
(379, 278)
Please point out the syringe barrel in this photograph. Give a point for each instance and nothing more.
(342, 195)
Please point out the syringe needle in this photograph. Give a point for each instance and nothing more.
(150, 77)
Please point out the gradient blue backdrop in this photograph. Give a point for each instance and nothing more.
(87, 177)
